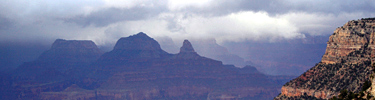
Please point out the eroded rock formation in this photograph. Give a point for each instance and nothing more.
(346, 64)
(353, 36)
(136, 69)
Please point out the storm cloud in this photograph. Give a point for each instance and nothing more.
(104, 21)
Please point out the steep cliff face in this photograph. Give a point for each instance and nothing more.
(345, 65)
(353, 36)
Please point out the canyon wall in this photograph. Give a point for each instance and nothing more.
(346, 64)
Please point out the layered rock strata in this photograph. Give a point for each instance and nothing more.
(346, 64)
(353, 36)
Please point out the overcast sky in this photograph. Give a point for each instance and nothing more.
(105, 21)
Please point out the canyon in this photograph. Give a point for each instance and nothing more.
(137, 68)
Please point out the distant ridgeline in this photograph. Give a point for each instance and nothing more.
(136, 69)
(345, 66)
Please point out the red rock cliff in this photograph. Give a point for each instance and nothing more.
(352, 36)
(346, 64)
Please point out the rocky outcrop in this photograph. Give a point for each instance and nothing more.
(186, 47)
(187, 51)
(353, 36)
(345, 65)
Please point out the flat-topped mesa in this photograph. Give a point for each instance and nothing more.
(71, 51)
(71, 44)
(354, 35)
(60, 62)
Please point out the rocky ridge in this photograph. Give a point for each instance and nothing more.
(346, 64)
(137, 68)
(167, 76)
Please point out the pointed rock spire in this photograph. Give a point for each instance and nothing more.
(186, 47)
(187, 55)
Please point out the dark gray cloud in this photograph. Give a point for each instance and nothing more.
(90, 19)
(230, 21)
(104, 17)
